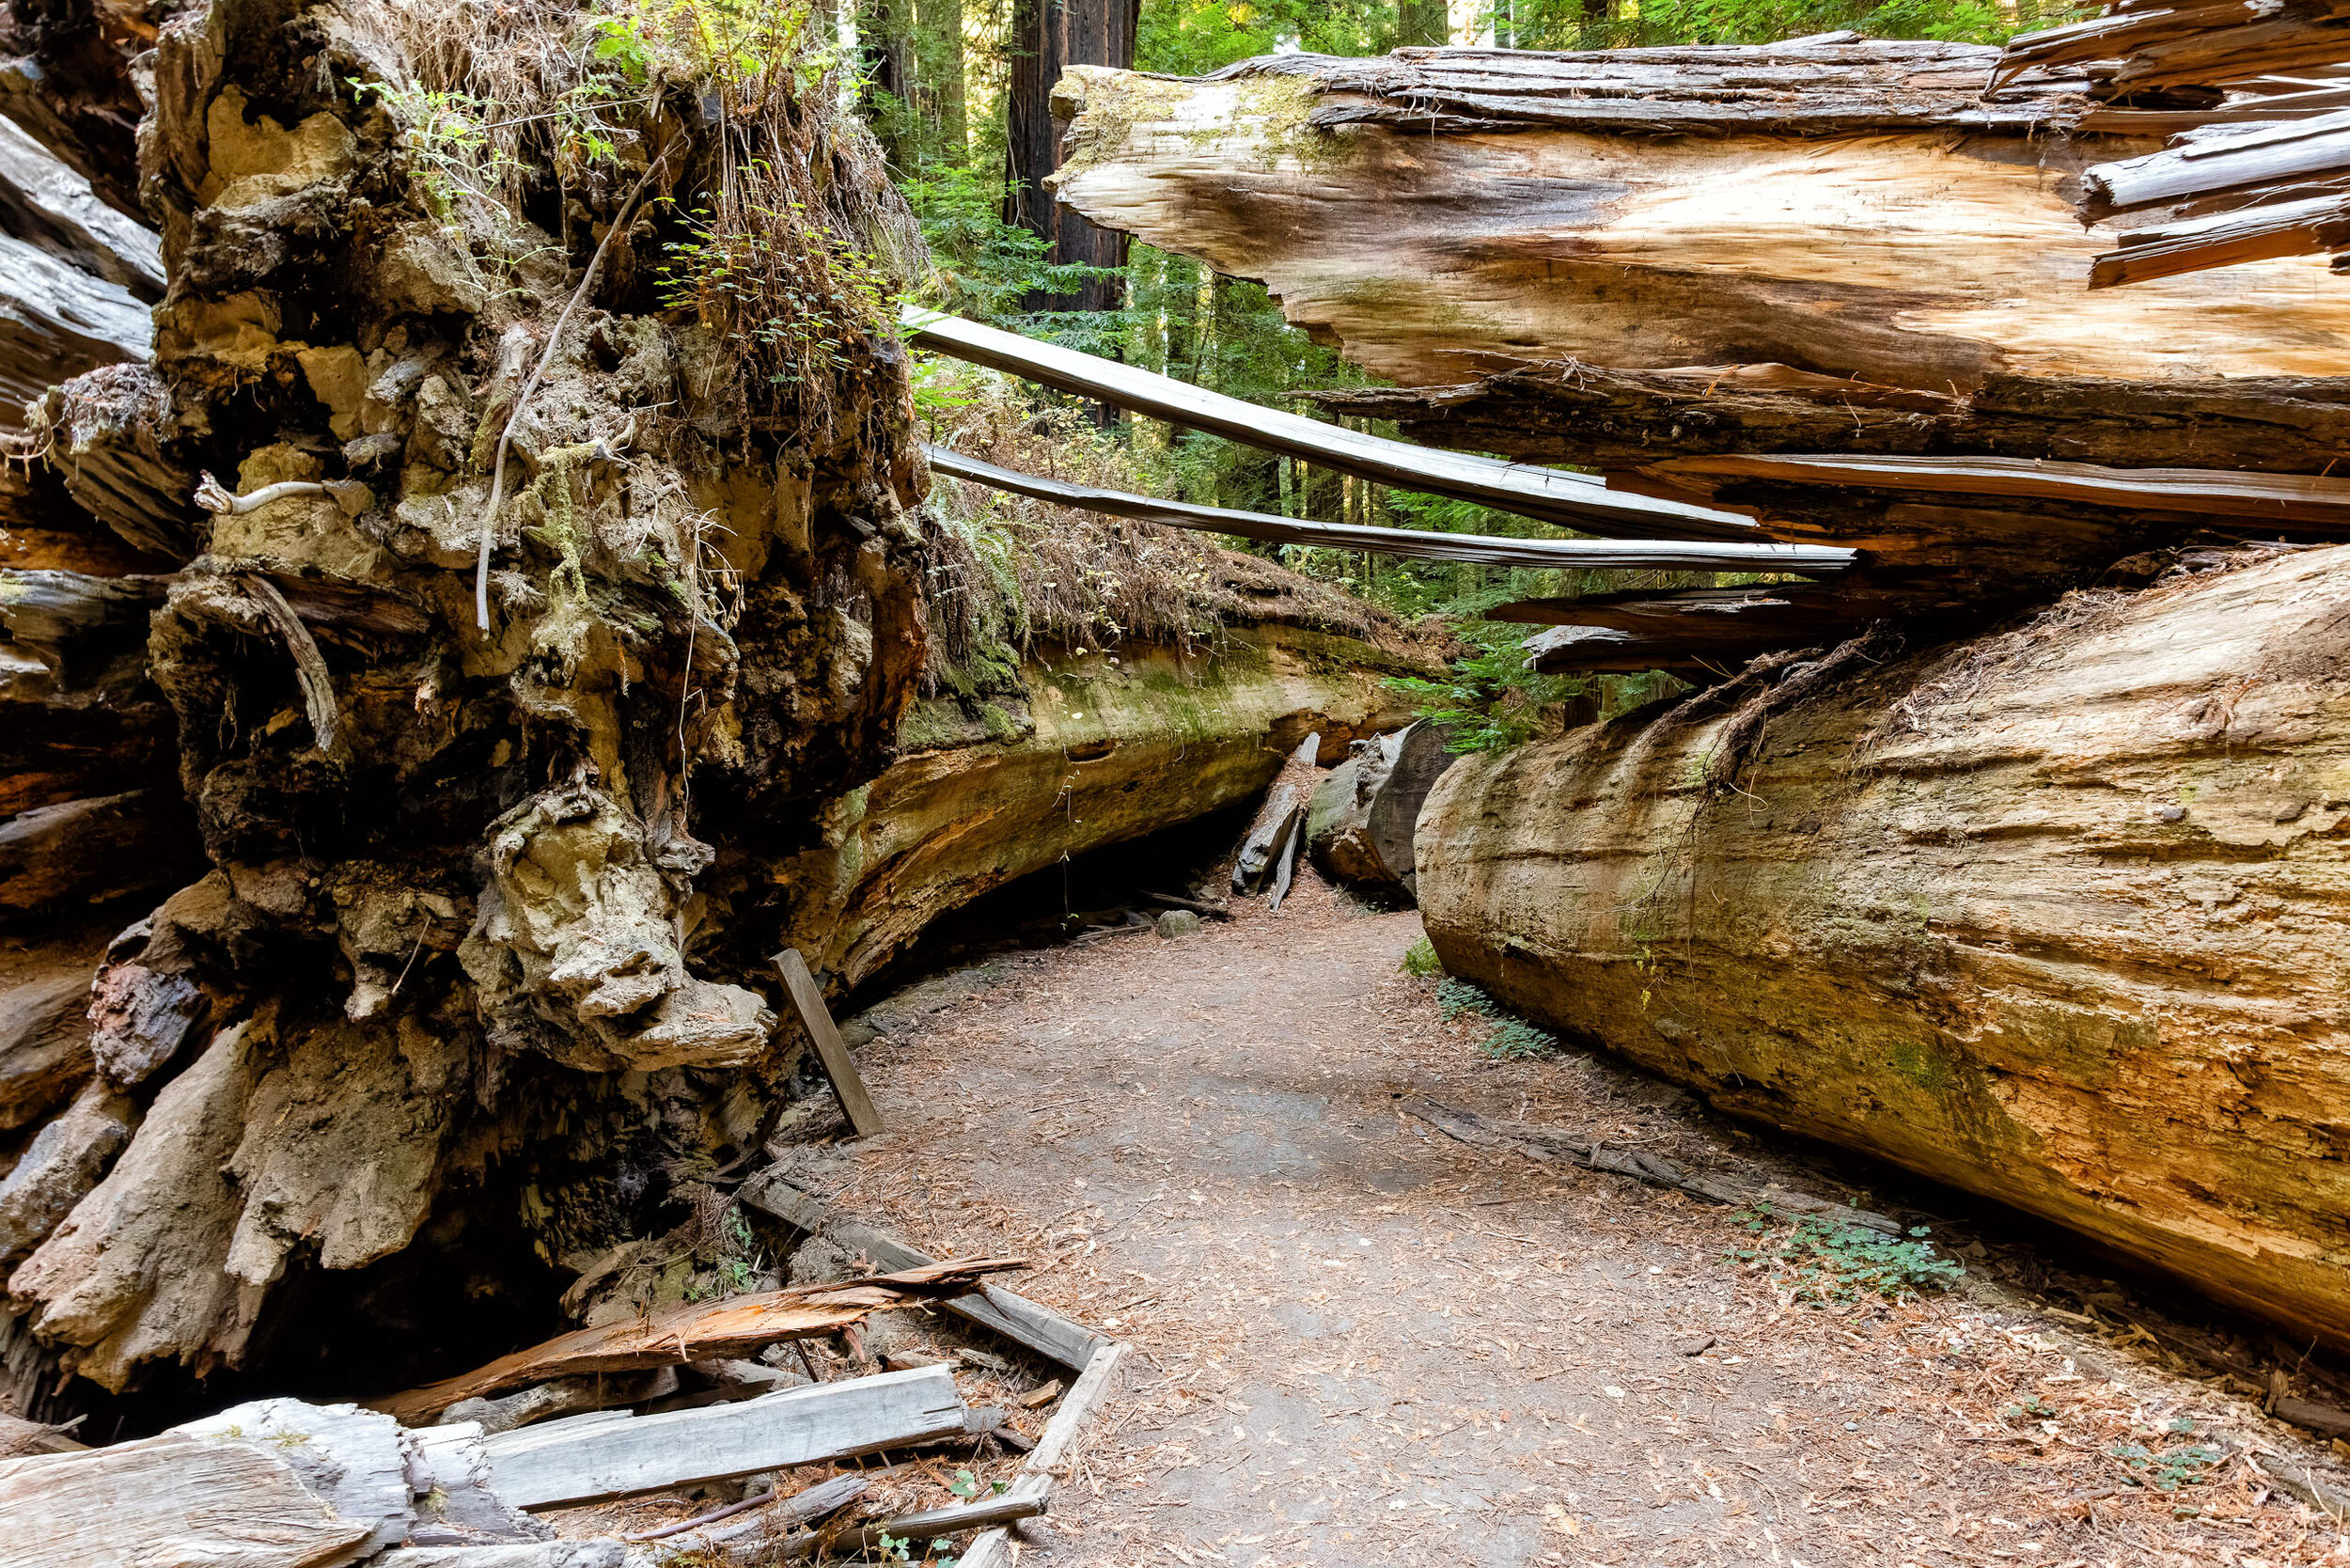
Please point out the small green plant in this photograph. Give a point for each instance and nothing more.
(1834, 1260)
(2033, 1406)
(1488, 701)
(1456, 997)
(2169, 1469)
(1421, 959)
(1515, 1040)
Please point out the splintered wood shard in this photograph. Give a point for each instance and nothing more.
(1581, 501)
(1484, 549)
(700, 1332)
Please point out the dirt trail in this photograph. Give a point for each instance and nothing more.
(1363, 1343)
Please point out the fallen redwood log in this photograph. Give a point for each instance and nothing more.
(2053, 915)
(1358, 825)
(1844, 208)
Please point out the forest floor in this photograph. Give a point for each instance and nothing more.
(1359, 1341)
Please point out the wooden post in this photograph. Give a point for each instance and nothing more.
(839, 1068)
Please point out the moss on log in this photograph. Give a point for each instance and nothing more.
(2054, 914)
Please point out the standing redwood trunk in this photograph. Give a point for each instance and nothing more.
(1048, 35)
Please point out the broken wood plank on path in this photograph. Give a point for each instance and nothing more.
(1546, 1143)
(593, 1458)
(699, 1331)
(1419, 543)
(832, 1053)
(1571, 501)
(1049, 1463)
(1265, 847)
(932, 1524)
(1015, 1317)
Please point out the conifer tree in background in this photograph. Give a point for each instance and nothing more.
(1047, 36)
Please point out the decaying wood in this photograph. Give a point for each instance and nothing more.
(747, 1544)
(562, 1396)
(536, 1554)
(1266, 844)
(1360, 822)
(21, 1438)
(1701, 634)
(1596, 240)
(839, 1068)
(1048, 1465)
(94, 850)
(593, 1458)
(2295, 502)
(61, 1166)
(272, 1484)
(933, 1524)
(1825, 84)
(696, 1331)
(1422, 545)
(51, 207)
(1619, 419)
(1891, 930)
(1015, 1317)
(57, 320)
(1548, 1143)
(44, 1045)
(1571, 501)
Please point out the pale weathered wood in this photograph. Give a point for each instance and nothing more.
(354, 1461)
(1015, 1317)
(53, 207)
(1932, 258)
(44, 1044)
(1423, 545)
(1572, 500)
(831, 1054)
(932, 1524)
(168, 1499)
(61, 1166)
(694, 1331)
(1963, 909)
(533, 1554)
(1360, 826)
(2298, 502)
(1258, 860)
(1046, 1463)
(552, 1465)
(455, 1503)
(728, 1542)
(56, 321)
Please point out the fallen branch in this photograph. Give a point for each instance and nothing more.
(1543, 1143)
(216, 498)
(701, 1332)
(317, 687)
(546, 357)
(1198, 906)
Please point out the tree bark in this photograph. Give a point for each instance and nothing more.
(1048, 37)
(2049, 915)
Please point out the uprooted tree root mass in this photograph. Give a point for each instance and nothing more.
(477, 984)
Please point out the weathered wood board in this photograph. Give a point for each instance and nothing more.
(591, 1458)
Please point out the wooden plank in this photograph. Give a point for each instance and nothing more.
(594, 1553)
(1015, 1317)
(992, 1550)
(1422, 545)
(2280, 500)
(1571, 501)
(555, 1466)
(831, 1054)
(697, 1332)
